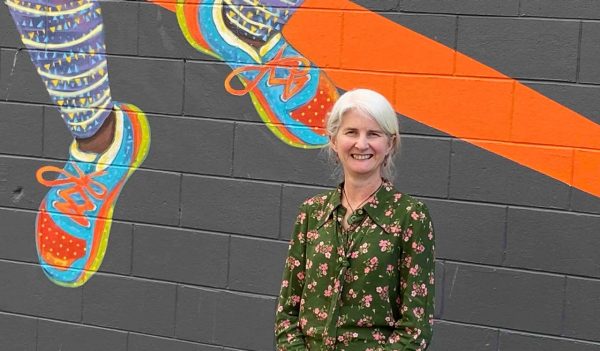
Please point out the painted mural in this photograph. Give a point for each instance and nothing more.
(292, 83)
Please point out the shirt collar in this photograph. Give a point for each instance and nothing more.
(376, 208)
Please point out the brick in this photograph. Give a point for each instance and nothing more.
(423, 166)
(25, 289)
(258, 154)
(191, 145)
(503, 298)
(581, 310)
(18, 332)
(444, 6)
(589, 72)
(411, 126)
(20, 81)
(209, 316)
(151, 197)
(468, 232)
(253, 328)
(204, 82)
(180, 255)
(118, 252)
(197, 313)
(522, 341)
(378, 5)
(436, 27)
(57, 138)
(584, 202)
(579, 98)
(556, 8)
(21, 236)
(120, 27)
(21, 129)
(18, 187)
(9, 35)
(291, 198)
(159, 35)
(522, 48)
(439, 288)
(256, 265)
(153, 85)
(232, 206)
(466, 7)
(73, 337)
(449, 336)
(129, 304)
(482, 176)
(572, 249)
(140, 342)
(586, 164)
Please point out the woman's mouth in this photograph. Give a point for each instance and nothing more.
(361, 157)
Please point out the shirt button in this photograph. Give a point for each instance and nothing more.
(360, 211)
(340, 259)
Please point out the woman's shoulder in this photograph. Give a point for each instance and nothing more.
(320, 199)
(404, 203)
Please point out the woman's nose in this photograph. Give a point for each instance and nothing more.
(362, 142)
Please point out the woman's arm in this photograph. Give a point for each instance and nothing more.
(413, 332)
(287, 328)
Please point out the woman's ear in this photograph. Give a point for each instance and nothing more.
(332, 142)
(392, 145)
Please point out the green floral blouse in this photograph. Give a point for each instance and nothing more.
(367, 288)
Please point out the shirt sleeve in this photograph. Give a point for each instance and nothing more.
(413, 332)
(288, 334)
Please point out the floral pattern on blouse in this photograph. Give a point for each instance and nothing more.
(369, 287)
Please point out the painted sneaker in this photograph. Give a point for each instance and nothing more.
(291, 95)
(74, 219)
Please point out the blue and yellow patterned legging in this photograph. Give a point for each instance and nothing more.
(66, 45)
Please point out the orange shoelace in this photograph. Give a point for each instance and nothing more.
(298, 68)
(81, 183)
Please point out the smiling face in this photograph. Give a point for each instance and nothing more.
(361, 145)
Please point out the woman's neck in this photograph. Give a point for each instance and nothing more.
(357, 190)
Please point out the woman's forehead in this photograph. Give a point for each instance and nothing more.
(357, 118)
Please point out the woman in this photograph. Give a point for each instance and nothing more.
(360, 268)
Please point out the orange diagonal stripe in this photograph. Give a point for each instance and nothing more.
(449, 91)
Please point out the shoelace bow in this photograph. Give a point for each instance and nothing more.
(81, 183)
(298, 68)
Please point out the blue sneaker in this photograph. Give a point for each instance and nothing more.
(74, 219)
(291, 95)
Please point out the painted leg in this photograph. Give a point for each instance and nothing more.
(65, 40)
(290, 94)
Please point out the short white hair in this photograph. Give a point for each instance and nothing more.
(373, 105)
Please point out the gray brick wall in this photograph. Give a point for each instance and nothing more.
(200, 232)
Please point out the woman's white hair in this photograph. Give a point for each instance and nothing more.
(377, 107)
